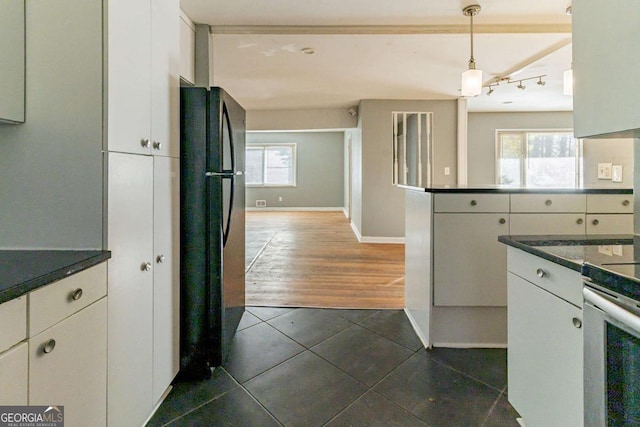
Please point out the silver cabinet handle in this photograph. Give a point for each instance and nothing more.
(541, 273)
(576, 322)
(625, 203)
(146, 266)
(160, 259)
(579, 221)
(503, 221)
(473, 203)
(76, 294)
(595, 222)
(548, 202)
(157, 145)
(49, 346)
(144, 142)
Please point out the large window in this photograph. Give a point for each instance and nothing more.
(538, 159)
(271, 165)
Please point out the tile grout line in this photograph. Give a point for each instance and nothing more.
(493, 407)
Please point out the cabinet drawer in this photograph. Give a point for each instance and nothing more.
(13, 318)
(548, 203)
(610, 203)
(560, 281)
(471, 203)
(572, 223)
(609, 224)
(59, 300)
(14, 372)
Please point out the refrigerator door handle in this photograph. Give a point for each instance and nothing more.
(225, 234)
(221, 174)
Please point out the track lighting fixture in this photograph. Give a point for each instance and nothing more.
(520, 85)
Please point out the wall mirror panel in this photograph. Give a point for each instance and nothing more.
(412, 148)
(12, 61)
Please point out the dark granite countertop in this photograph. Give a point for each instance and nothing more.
(22, 271)
(506, 189)
(611, 261)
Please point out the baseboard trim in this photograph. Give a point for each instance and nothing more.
(469, 345)
(356, 231)
(383, 240)
(414, 325)
(295, 209)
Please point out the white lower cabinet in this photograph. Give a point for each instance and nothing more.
(545, 345)
(67, 366)
(143, 283)
(14, 375)
(609, 224)
(469, 263)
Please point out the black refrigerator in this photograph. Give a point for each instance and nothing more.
(212, 222)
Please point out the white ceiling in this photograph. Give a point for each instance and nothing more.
(381, 49)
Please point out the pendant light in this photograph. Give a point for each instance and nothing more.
(471, 79)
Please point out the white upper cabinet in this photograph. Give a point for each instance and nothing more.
(605, 64)
(187, 49)
(143, 77)
(129, 65)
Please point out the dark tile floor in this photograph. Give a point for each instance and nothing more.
(325, 367)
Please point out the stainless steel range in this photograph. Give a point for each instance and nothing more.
(612, 345)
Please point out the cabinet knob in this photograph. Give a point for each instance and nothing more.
(576, 322)
(548, 202)
(503, 221)
(473, 203)
(541, 273)
(144, 142)
(595, 222)
(49, 346)
(157, 145)
(146, 266)
(625, 203)
(579, 221)
(77, 294)
(160, 259)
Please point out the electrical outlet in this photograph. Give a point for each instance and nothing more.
(261, 203)
(604, 170)
(447, 170)
(280, 198)
(616, 173)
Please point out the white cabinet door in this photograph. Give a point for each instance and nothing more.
(469, 262)
(130, 288)
(165, 80)
(609, 224)
(128, 68)
(14, 375)
(67, 366)
(605, 38)
(166, 274)
(544, 356)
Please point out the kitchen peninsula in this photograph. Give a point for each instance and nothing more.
(455, 278)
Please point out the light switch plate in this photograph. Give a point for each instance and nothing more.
(604, 170)
(616, 173)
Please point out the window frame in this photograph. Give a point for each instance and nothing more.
(578, 181)
(264, 146)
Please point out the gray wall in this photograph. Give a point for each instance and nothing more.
(382, 204)
(320, 170)
(615, 151)
(309, 119)
(51, 178)
(481, 151)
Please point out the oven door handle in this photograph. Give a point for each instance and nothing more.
(612, 310)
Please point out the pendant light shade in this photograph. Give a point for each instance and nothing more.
(567, 82)
(471, 84)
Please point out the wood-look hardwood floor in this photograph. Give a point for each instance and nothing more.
(313, 259)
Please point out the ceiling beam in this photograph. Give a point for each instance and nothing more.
(389, 29)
